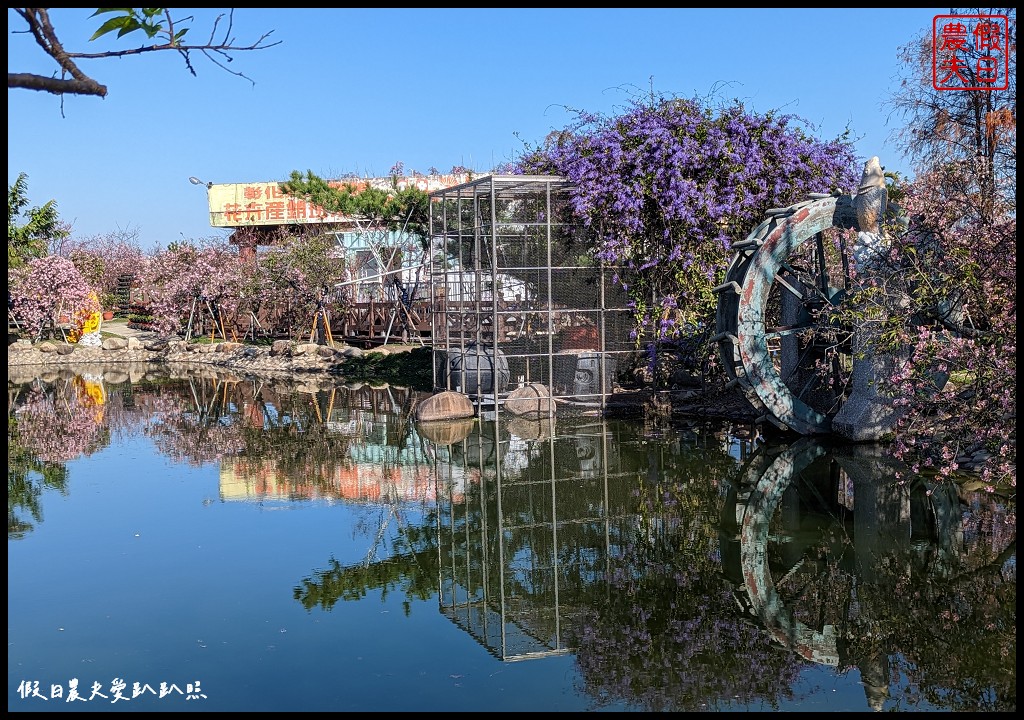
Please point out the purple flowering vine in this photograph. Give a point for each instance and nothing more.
(669, 184)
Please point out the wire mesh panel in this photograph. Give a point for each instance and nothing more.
(525, 549)
(518, 291)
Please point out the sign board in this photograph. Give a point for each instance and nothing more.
(264, 203)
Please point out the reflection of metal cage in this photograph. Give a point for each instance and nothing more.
(508, 272)
(524, 553)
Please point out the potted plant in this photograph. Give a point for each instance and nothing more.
(108, 301)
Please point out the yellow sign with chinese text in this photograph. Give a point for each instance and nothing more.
(264, 203)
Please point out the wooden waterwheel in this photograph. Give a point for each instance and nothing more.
(775, 336)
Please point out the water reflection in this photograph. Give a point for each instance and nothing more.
(48, 424)
(682, 570)
(597, 541)
(849, 568)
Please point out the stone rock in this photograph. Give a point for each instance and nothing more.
(303, 349)
(115, 343)
(178, 359)
(227, 347)
(445, 405)
(530, 401)
(280, 347)
(65, 349)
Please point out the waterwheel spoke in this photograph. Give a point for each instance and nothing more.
(781, 331)
(817, 287)
(819, 242)
(812, 384)
(813, 379)
(797, 277)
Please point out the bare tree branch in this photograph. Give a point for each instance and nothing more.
(41, 28)
(56, 86)
(38, 20)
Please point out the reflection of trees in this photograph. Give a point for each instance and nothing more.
(618, 546)
(895, 580)
(293, 436)
(27, 477)
(667, 636)
(60, 422)
(952, 638)
(192, 421)
(195, 419)
(47, 425)
(264, 425)
(597, 537)
(411, 567)
(316, 438)
(956, 646)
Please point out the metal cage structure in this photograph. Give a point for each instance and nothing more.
(519, 296)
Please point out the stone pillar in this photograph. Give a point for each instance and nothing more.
(869, 414)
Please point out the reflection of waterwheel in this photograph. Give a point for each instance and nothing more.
(773, 333)
(769, 478)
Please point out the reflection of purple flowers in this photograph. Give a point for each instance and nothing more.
(668, 636)
(187, 436)
(669, 639)
(60, 426)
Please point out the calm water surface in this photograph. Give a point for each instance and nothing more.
(217, 543)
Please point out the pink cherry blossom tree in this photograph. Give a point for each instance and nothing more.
(47, 288)
(184, 276)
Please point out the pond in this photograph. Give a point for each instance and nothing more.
(216, 543)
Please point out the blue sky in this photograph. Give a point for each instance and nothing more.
(358, 90)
